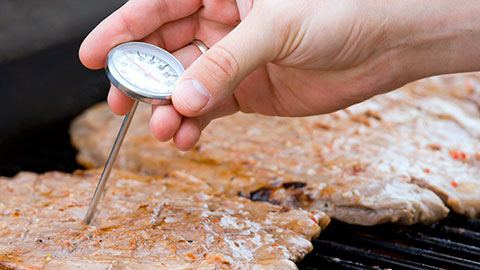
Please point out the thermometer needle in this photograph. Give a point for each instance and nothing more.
(144, 71)
(109, 165)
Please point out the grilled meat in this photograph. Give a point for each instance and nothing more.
(145, 223)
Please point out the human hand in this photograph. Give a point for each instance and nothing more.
(288, 58)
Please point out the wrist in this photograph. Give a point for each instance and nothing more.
(433, 37)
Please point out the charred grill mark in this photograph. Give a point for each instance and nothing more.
(365, 117)
(143, 207)
(262, 194)
(357, 168)
(434, 147)
(362, 119)
(322, 125)
(295, 190)
(373, 114)
(300, 198)
(294, 185)
(197, 148)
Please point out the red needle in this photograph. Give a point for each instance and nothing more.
(144, 71)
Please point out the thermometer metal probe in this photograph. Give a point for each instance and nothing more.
(145, 73)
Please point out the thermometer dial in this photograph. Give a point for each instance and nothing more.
(143, 71)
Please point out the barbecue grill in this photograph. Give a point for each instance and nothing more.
(40, 144)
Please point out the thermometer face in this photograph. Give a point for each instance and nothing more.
(143, 71)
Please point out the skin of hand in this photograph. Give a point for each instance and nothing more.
(287, 58)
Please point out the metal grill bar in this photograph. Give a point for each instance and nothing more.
(441, 244)
(421, 236)
(451, 244)
(460, 221)
(367, 256)
(467, 235)
(424, 255)
(329, 262)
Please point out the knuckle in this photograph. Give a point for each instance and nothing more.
(222, 64)
(128, 24)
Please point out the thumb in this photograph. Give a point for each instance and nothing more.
(217, 73)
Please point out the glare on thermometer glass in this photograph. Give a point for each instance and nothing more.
(143, 72)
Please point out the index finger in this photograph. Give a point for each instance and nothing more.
(133, 21)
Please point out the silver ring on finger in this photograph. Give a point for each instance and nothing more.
(200, 45)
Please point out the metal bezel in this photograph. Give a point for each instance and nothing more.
(131, 90)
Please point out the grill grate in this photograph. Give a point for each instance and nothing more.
(451, 244)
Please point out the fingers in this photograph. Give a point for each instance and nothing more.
(188, 134)
(224, 12)
(133, 21)
(173, 35)
(118, 101)
(189, 131)
(217, 73)
(165, 122)
(180, 33)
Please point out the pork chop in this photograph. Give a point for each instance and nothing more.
(145, 223)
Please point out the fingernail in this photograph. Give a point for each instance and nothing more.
(195, 96)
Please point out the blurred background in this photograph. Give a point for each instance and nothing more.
(43, 85)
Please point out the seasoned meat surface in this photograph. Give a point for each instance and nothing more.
(399, 157)
(145, 223)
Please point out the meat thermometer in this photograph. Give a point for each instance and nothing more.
(145, 73)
